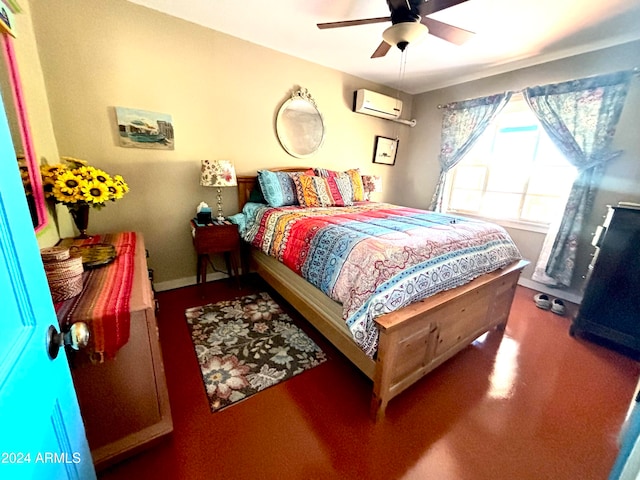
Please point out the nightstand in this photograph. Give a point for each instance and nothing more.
(216, 239)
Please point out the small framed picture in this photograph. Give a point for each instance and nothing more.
(386, 150)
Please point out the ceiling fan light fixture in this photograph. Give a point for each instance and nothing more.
(402, 34)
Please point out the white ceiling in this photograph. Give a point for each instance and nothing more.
(509, 34)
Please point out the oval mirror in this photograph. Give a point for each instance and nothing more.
(299, 125)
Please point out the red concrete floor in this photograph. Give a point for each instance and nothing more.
(533, 403)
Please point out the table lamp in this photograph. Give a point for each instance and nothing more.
(218, 173)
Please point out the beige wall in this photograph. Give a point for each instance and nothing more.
(416, 177)
(223, 94)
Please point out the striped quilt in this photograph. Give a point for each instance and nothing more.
(375, 258)
(104, 301)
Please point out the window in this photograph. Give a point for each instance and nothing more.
(513, 173)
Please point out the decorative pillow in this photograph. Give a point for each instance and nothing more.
(323, 172)
(278, 188)
(313, 192)
(356, 180)
(356, 183)
(295, 177)
(341, 190)
(324, 192)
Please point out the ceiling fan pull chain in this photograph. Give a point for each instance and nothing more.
(401, 74)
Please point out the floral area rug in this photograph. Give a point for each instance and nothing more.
(246, 345)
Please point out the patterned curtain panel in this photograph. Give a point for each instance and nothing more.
(462, 124)
(580, 117)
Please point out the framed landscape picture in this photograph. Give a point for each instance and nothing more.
(386, 150)
(144, 129)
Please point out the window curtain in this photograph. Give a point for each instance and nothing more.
(462, 124)
(580, 117)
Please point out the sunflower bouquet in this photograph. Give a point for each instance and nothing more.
(76, 184)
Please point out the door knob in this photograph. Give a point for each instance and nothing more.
(76, 337)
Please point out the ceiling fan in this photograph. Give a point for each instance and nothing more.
(409, 19)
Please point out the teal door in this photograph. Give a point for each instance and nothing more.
(41, 431)
(627, 465)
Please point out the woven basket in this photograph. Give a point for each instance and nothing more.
(64, 272)
(71, 267)
(54, 254)
(65, 288)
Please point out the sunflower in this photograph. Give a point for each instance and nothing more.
(64, 195)
(116, 191)
(88, 173)
(47, 186)
(102, 176)
(118, 180)
(95, 192)
(52, 170)
(69, 181)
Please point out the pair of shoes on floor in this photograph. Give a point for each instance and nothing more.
(544, 302)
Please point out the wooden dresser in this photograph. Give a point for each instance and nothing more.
(610, 307)
(123, 400)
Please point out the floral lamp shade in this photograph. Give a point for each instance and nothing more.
(372, 184)
(218, 173)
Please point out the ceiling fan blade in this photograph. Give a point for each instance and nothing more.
(382, 50)
(447, 32)
(351, 23)
(433, 6)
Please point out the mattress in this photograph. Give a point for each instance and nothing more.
(375, 258)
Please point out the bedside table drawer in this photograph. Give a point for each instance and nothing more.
(216, 238)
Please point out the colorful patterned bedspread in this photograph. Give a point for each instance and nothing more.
(375, 258)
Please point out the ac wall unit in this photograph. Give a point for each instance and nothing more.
(376, 104)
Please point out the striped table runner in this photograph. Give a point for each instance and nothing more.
(104, 301)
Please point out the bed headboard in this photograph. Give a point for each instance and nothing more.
(246, 183)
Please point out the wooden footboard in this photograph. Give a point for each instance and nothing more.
(413, 340)
(418, 338)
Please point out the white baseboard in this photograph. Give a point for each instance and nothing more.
(186, 281)
(554, 292)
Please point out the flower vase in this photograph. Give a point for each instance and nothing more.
(80, 215)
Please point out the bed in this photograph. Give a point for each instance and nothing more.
(409, 340)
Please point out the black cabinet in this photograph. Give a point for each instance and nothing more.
(610, 308)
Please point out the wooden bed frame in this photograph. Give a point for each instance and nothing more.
(413, 340)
